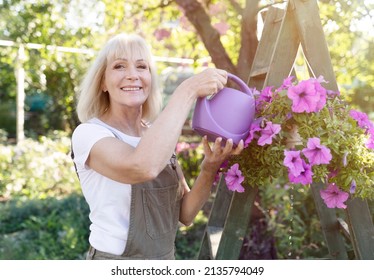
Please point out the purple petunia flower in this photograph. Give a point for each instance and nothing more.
(266, 94)
(322, 95)
(305, 177)
(303, 97)
(370, 142)
(294, 162)
(307, 96)
(352, 189)
(234, 178)
(362, 119)
(317, 153)
(255, 126)
(334, 197)
(286, 83)
(268, 133)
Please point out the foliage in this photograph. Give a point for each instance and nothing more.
(48, 72)
(8, 117)
(3, 136)
(39, 229)
(189, 155)
(43, 214)
(293, 221)
(37, 169)
(188, 240)
(341, 136)
(350, 37)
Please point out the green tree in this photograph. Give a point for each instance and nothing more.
(52, 75)
(349, 33)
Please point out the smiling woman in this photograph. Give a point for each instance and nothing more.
(115, 54)
(124, 153)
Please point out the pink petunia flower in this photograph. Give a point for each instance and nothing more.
(307, 96)
(317, 153)
(334, 197)
(303, 97)
(294, 162)
(304, 178)
(264, 97)
(287, 82)
(266, 94)
(370, 142)
(268, 133)
(322, 94)
(255, 127)
(362, 119)
(234, 178)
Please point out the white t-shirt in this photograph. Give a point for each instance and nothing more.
(109, 200)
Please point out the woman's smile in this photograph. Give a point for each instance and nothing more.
(131, 89)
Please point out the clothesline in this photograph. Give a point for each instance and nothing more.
(7, 43)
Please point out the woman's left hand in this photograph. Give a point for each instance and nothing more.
(217, 154)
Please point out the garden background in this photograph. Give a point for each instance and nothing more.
(42, 212)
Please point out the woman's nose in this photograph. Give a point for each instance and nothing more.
(132, 74)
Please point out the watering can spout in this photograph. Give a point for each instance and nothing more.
(228, 115)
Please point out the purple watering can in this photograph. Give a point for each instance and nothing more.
(228, 114)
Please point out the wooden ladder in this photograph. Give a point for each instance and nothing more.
(284, 31)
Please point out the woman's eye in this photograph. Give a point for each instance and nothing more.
(119, 66)
(142, 66)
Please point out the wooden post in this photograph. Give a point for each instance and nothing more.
(361, 228)
(236, 225)
(20, 78)
(330, 226)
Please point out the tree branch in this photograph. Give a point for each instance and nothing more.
(237, 7)
(198, 17)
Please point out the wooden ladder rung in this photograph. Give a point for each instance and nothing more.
(259, 72)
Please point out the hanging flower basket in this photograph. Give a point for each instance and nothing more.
(307, 134)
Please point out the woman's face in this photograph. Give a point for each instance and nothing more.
(128, 81)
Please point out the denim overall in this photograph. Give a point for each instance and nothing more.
(154, 216)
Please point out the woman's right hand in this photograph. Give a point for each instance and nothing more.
(205, 83)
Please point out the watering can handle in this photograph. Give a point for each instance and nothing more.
(243, 86)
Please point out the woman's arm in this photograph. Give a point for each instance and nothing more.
(121, 162)
(194, 200)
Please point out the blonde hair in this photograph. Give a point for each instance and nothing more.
(92, 102)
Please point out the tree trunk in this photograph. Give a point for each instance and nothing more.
(198, 17)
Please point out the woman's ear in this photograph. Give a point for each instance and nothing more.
(103, 86)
